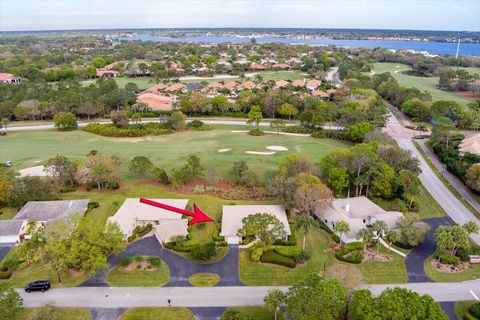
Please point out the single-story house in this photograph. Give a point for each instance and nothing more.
(50, 211)
(9, 78)
(232, 219)
(320, 94)
(231, 85)
(214, 86)
(157, 101)
(156, 88)
(298, 83)
(280, 66)
(166, 224)
(281, 83)
(257, 66)
(470, 144)
(175, 87)
(195, 86)
(106, 73)
(313, 84)
(248, 85)
(358, 212)
(11, 230)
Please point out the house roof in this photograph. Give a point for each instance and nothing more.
(230, 85)
(314, 83)
(298, 83)
(215, 85)
(132, 209)
(102, 72)
(232, 217)
(175, 87)
(167, 229)
(281, 66)
(470, 144)
(248, 84)
(156, 101)
(358, 212)
(320, 93)
(281, 83)
(193, 86)
(10, 227)
(51, 210)
(331, 91)
(257, 66)
(157, 87)
(7, 76)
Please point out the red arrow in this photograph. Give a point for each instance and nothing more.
(197, 214)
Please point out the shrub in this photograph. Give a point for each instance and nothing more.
(195, 124)
(110, 130)
(125, 262)
(298, 129)
(292, 241)
(474, 310)
(256, 132)
(302, 256)
(449, 259)
(351, 246)
(256, 254)
(355, 256)
(154, 261)
(287, 251)
(161, 175)
(203, 252)
(5, 274)
(93, 205)
(468, 316)
(131, 238)
(272, 257)
(318, 135)
(222, 243)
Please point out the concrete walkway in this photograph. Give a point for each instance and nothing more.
(180, 267)
(461, 188)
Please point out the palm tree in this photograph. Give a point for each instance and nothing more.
(341, 227)
(379, 228)
(273, 300)
(366, 236)
(303, 223)
(392, 237)
(470, 227)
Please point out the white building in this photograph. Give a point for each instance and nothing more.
(166, 224)
(11, 230)
(232, 219)
(358, 212)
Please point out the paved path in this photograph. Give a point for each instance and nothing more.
(449, 308)
(454, 208)
(110, 298)
(416, 258)
(180, 267)
(461, 188)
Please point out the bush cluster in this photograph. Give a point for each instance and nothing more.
(140, 231)
(203, 252)
(352, 253)
(199, 126)
(108, 186)
(256, 132)
(447, 258)
(292, 241)
(292, 252)
(256, 254)
(272, 257)
(140, 130)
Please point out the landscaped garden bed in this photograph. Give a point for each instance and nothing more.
(203, 279)
(139, 271)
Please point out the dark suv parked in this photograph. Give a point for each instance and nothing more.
(41, 285)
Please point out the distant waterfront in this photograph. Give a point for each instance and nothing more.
(467, 49)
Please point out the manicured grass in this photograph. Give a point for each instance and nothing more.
(470, 70)
(384, 272)
(259, 274)
(446, 183)
(461, 307)
(60, 313)
(120, 277)
(43, 271)
(471, 274)
(7, 213)
(32, 148)
(257, 313)
(157, 314)
(205, 236)
(203, 279)
(422, 83)
(429, 207)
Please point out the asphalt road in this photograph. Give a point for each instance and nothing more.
(454, 208)
(115, 297)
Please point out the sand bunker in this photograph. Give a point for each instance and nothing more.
(277, 148)
(239, 131)
(33, 172)
(224, 150)
(267, 153)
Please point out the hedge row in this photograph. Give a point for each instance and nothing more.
(272, 257)
(351, 253)
(140, 231)
(141, 130)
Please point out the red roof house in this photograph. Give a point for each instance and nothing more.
(9, 78)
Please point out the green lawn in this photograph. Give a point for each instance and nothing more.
(429, 208)
(470, 70)
(384, 272)
(121, 277)
(203, 279)
(428, 84)
(158, 314)
(471, 274)
(262, 274)
(7, 213)
(257, 313)
(461, 307)
(32, 148)
(60, 313)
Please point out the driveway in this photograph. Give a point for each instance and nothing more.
(416, 258)
(4, 249)
(180, 267)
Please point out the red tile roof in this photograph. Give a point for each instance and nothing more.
(175, 87)
(102, 72)
(281, 66)
(314, 83)
(248, 84)
(157, 87)
(7, 76)
(257, 66)
(298, 83)
(156, 101)
(320, 93)
(230, 85)
(281, 83)
(215, 85)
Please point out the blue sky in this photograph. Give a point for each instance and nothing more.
(382, 14)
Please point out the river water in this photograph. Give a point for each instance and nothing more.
(440, 48)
